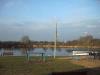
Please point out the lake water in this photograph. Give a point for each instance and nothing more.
(38, 51)
(47, 52)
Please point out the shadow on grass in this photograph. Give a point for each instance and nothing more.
(87, 71)
(1, 66)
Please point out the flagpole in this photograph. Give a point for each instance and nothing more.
(55, 43)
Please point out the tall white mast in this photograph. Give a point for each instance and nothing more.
(55, 44)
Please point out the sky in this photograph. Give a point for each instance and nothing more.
(37, 19)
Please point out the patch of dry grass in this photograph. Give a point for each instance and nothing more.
(87, 63)
(83, 61)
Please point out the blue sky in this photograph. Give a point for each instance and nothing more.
(36, 18)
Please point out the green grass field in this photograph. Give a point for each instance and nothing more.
(20, 66)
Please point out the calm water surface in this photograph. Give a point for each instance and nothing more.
(37, 51)
(47, 52)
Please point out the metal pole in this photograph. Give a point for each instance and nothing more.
(55, 47)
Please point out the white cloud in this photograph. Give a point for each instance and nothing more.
(26, 26)
(85, 33)
(37, 29)
(90, 23)
(92, 26)
(14, 31)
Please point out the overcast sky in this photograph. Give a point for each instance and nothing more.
(37, 18)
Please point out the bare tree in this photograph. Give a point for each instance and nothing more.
(26, 42)
(25, 39)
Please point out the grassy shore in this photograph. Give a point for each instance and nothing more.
(20, 66)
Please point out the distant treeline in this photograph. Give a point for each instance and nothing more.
(82, 41)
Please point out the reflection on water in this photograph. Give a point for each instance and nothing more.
(47, 51)
(36, 51)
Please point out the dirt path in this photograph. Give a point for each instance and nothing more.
(87, 63)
